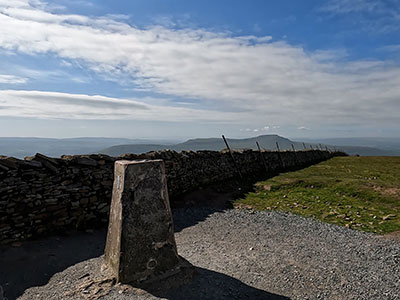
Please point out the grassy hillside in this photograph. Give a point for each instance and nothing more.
(357, 192)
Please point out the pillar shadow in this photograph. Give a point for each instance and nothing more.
(210, 285)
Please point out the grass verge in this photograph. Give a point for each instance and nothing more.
(357, 192)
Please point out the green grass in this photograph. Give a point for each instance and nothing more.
(357, 192)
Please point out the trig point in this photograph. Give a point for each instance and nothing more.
(141, 248)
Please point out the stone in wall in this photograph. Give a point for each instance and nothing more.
(42, 195)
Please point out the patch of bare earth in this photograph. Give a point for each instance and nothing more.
(387, 191)
(393, 235)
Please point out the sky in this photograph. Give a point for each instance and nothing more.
(180, 69)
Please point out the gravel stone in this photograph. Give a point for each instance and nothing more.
(260, 255)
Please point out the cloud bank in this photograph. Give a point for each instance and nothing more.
(11, 79)
(375, 16)
(254, 79)
(51, 105)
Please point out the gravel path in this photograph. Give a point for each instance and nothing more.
(242, 254)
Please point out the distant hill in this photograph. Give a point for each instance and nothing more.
(367, 151)
(21, 147)
(133, 148)
(384, 143)
(365, 146)
(267, 142)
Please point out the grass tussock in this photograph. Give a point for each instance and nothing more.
(357, 192)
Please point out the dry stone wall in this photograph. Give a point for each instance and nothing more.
(42, 195)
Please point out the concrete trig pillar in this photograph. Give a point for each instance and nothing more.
(140, 246)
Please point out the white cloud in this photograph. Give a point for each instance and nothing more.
(265, 128)
(373, 15)
(52, 105)
(391, 48)
(11, 79)
(346, 6)
(37, 75)
(256, 77)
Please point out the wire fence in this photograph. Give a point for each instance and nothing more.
(298, 146)
(277, 150)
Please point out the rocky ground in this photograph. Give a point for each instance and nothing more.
(238, 254)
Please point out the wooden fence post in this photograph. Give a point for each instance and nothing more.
(233, 159)
(262, 157)
(279, 155)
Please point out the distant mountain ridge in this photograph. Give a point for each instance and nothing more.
(25, 146)
(267, 142)
(21, 147)
(384, 143)
(373, 146)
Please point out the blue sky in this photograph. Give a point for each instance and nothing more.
(180, 68)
